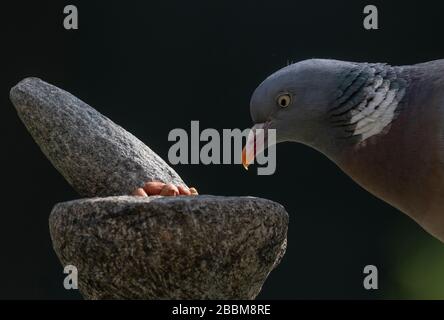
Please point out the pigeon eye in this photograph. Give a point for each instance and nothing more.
(284, 100)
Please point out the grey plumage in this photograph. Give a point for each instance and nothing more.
(383, 125)
(371, 101)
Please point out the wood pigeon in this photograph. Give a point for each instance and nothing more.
(382, 125)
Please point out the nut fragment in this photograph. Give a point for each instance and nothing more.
(153, 187)
(140, 192)
(193, 191)
(169, 190)
(184, 190)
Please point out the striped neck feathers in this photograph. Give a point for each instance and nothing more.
(368, 100)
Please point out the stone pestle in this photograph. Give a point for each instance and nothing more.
(96, 156)
(126, 247)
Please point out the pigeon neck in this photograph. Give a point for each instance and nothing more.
(368, 100)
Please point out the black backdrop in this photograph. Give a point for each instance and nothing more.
(154, 66)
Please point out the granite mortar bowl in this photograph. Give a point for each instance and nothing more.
(201, 247)
(124, 247)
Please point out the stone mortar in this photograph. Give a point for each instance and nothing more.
(204, 247)
(125, 247)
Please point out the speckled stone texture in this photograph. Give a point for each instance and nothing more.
(126, 247)
(202, 247)
(96, 156)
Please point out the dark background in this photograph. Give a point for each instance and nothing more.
(154, 66)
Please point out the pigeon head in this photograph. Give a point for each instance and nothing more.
(295, 101)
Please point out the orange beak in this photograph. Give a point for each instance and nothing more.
(255, 144)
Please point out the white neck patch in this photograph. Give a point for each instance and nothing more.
(368, 101)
